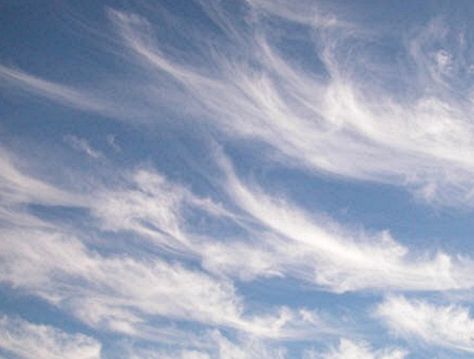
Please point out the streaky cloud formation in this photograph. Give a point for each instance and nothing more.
(236, 179)
(450, 326)
(332, 256)
(423, 144)
(117, 293)
(58, 93)
(305, 116)
(81, 145)
(352, 350)
(27, 340)
(245, 348)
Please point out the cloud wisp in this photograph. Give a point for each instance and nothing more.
(423, 144)
(251, 90)
(322, 251)
(348, 349)
(27, 340)
(122, 292)
(166, 238)
(81, 145)
(449, 326)
(58, 93)
(127, 295)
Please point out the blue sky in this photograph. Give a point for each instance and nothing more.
(236, 179)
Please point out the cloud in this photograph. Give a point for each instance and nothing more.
(137, 255)
(320, 250)
(58, 93)
(326, 120)
(449, 326)
(27, 340)
(286, 241)
(128, 292)
(150, 205)
(219, 347)
(348, 349)
(81, 145)
(17, 187)
(119, 293)
(112, 142)
(251, 90)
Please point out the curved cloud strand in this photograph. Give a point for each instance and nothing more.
(450, 326)
(27, 340)
(229, 179)
(325, 120)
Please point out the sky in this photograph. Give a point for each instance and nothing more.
(236, 179)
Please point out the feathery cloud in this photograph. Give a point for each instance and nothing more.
(27, 340)
(423, 144)
(55, 92)
(449, 326)
(348, 349)
(82, 145)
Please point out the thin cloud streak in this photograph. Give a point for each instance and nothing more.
(348, 349)
(61, 94)
(82, 145)
(424, 144)
(131, 252)
(220, 348)
(30, 341)
(331, 256)
(120, 292)
(449, 326)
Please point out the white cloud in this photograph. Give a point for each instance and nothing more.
(217, 346)
(327, 119)
(318, 115)
(286, 241)
(449, 326)
(112, 141)
(82, 145)
(16, 187)
(27, 340)
(120, 292)
(149, 204)
(320, 250)
(55, 92)
(332, 125)
(348, 349)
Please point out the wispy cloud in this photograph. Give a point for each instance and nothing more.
(450, 326)
(18, 187)
(28, 340)
(219, 347)
(324, 252)
(112, 141)
(150, 205)
(348, 349)
(287, 241)
(252, 91)
(179, 255)
(121, 292)
(422, 143)
(82, 145)
(52, 91)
